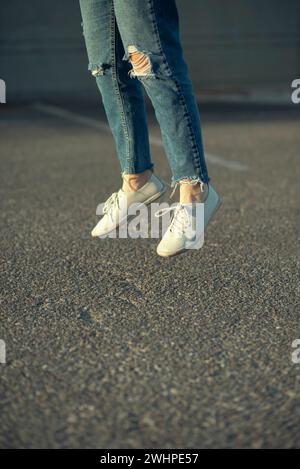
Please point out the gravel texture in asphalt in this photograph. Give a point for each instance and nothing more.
(110, 346)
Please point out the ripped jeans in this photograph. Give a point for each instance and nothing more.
(135, 45)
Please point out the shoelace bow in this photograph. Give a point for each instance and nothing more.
(180, 220)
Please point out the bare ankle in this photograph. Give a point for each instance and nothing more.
(133, 182)
(191, 192)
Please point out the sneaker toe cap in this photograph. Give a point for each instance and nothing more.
(100, 229)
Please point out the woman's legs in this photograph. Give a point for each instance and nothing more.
(150, 34)
(130, 42)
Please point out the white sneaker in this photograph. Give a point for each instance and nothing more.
(186, 230)
(116, 207)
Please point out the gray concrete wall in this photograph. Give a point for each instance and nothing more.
(242, 43)
(232, 44)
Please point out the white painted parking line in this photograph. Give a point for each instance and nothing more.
(95, 124)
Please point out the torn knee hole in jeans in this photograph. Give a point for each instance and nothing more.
(140, 62)
(98, 70)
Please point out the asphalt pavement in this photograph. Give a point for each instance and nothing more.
(109, 345)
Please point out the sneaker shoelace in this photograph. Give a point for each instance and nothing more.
(111, 204)
(180, 221)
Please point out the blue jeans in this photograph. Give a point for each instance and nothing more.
(113, 29)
